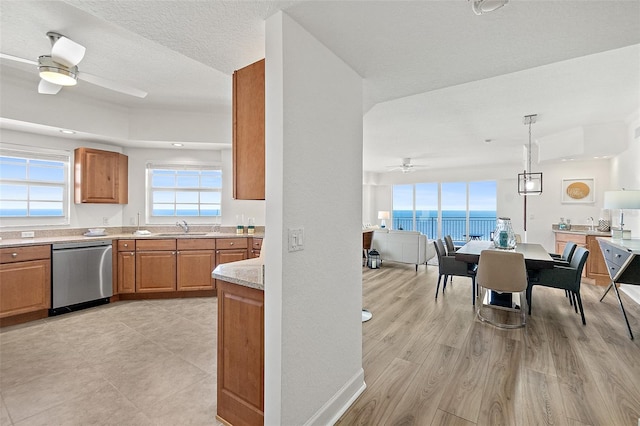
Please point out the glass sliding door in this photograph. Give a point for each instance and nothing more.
(454, 210)
(482, 209)
(402, 217)
(426, 208)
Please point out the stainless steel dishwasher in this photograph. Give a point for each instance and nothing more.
(81, 275)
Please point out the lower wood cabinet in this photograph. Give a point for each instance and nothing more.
(166, 265)
(126, 266)
(231, 250)
(240, 375)
(196, 260)
(596, 267)
(25, 280)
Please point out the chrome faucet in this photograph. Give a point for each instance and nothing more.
(183, 225)
(590, 219)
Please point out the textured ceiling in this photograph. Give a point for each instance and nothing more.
(437, 78)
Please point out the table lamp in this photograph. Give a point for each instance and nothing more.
(622, 200)
(383, 215)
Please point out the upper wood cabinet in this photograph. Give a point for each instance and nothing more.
(101, 176)
(248, 132)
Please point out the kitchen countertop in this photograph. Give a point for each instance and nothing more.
(17, 242)
(248, 273)
(583, 232)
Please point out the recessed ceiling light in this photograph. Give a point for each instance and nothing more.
(67, 132)
(177, 144)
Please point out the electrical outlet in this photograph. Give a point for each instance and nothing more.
(28, 234)
(105, 221)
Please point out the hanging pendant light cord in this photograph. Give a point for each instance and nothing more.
(529, 152)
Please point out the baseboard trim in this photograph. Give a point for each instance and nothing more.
(338, 404)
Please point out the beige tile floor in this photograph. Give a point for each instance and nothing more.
(148, 362)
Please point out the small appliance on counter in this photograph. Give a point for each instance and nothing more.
(95, 232)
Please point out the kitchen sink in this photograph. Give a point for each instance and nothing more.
(182, 234)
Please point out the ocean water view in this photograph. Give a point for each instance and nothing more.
(481, 223)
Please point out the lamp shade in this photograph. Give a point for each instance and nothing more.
(383, 215)
(622, 200)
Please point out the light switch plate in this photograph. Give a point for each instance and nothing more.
(296, 239)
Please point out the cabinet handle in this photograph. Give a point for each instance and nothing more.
(132, 253)
(618, 255)
(173, 252)
(14, 255)
(231, 243)
(177, 252)
(217, 251)
(126, 245)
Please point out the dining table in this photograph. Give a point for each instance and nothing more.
(535, 258)
(535, 255)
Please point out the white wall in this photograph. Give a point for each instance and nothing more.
(138, 159)
(313, 298)
(91, 215)
(542, 211)
(625, 173)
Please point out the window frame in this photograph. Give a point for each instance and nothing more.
(40, 154)
(170, 220)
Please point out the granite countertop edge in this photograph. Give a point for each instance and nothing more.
(582, 232)
(19, 242)
(247, 273)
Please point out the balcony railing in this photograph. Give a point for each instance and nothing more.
(454, 226)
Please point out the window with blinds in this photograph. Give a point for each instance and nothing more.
(178, 190)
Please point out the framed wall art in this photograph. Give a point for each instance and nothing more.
(578, 190)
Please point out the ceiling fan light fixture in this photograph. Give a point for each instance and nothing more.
(56, 73)
(485, 6)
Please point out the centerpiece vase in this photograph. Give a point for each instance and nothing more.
(503, 236)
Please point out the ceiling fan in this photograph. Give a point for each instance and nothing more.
(405, 167)
(60, 68)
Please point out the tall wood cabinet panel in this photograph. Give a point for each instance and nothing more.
(248, 132)
(240, 354)
(100, 176)
(25, 280)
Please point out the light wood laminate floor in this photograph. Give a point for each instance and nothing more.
(425, 361)
(431, 362)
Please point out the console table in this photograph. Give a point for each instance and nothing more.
(623, 262)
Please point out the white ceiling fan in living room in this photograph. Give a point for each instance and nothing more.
(60, 68)
(406, 166)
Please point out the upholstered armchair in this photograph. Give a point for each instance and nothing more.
(563, 277)
(449, 266)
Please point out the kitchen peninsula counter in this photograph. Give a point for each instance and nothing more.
(240, 342)
(247, 273)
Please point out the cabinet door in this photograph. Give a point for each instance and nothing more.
(240, 354)
(226, 256)
(248, 132)
(194, 269)
(127, 272)
(155, 271)
(100, 176)
(596, 266)
(25, 287)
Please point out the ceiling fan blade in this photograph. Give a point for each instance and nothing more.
(47, 88)
(112, 85)
(17, 59)
(67, 52)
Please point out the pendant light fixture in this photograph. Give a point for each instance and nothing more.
(481, 7)
(529, 183)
